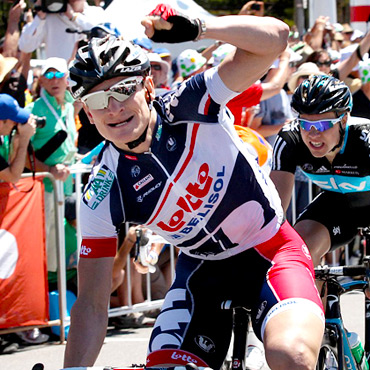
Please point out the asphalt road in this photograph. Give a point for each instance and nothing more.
(128, 346)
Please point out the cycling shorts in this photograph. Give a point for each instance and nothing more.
(334, 211)
(272, 277)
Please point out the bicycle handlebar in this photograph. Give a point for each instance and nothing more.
(351, 271)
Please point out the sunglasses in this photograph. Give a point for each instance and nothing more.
(51, 75)
(121, 91)
(326, 63)
(156, 67)
(321, 125)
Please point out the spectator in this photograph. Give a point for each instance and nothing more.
(144, 43)
(189, 63)
(304, 71)
(14, 81)
(256, 8)
(347, 32)
(12, 161)
(119, 282)
(342, 69)
(361, 99)
(51, 29)
(54, 144)
(159, 70)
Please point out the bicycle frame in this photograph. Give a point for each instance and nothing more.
(335, 332)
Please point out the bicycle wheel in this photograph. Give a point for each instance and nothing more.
(328, 358)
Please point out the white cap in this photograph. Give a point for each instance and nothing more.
(155, 58)
(57, 63)
(190, 61)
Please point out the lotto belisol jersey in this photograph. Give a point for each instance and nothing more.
(199, 186)
(349, 173)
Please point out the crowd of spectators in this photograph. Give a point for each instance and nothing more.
(326, 48)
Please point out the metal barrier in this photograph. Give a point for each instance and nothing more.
(78, 170)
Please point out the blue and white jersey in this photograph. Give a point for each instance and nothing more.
(199, 186)
(349, 173)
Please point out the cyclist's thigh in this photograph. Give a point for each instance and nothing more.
(333, 211)
(289, 283)
(191, 318)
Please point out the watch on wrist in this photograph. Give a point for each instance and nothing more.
(202, 29)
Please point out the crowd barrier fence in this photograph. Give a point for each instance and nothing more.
(78, 170)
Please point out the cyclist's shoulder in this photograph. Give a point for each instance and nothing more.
(358, 123)
(290, 133)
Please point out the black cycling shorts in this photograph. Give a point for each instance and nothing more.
(272, 277)
(338, 215)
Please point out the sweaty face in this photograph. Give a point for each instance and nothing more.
(319, 143)
(123, 122)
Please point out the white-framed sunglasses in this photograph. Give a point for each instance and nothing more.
(120, 91)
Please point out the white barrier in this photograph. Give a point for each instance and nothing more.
(78, 170)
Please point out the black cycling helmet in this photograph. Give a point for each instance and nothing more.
(103, 59)
(321, 94)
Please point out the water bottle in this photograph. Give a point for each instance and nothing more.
(357, 350)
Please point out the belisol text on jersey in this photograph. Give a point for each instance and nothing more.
(193, 201)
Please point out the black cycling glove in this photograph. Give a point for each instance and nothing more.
(184, 28)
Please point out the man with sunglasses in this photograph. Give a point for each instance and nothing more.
(54, 144)
(176, 165)
(333, 150)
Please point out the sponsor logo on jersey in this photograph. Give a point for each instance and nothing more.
(140, 198)
(135, 171)
(183, 356)
(322, 169)
(205, 343)
(144, 181)
(260, 310)
(85, 251)
(365, 136)
(171, 144)
(99, 187)
(341, 185)
(158, 134)
(236, 363)
(307, 167)
(336, 230)
(193, 201)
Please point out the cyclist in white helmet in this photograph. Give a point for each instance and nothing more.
(176, 165)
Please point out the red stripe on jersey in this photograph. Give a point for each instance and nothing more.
(165, 357)
(185, 164)
(360, 13)
(208, 103)
(97, 248)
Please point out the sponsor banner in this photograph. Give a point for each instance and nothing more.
(23, 275)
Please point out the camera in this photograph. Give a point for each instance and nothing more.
(256, 6)
(40, 121)
(52, 6)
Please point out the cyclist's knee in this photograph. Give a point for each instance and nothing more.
(316, 236)
(291, 354)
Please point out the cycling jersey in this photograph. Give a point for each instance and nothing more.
(198, 187)
(348, 174)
